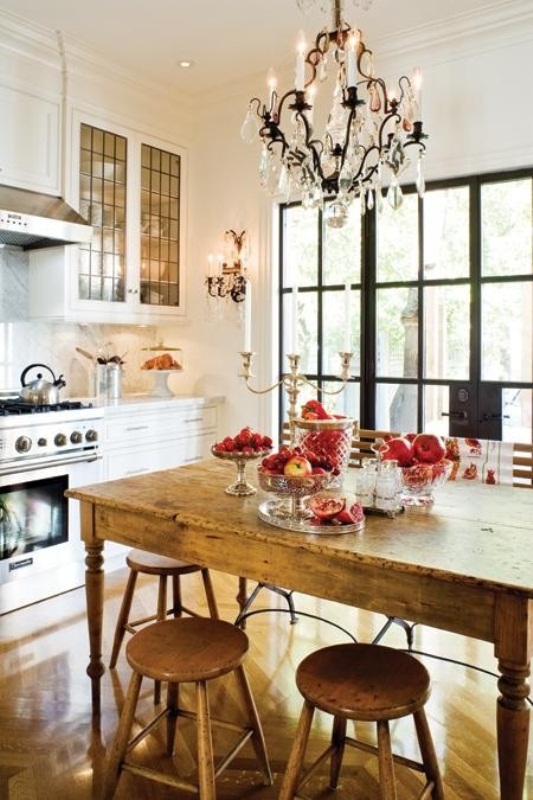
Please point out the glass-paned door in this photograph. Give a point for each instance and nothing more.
(160, 227)
(439, 314)
(103, 171)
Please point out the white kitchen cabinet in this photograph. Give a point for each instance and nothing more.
(157, 436)
(132, 189)
(29, 140)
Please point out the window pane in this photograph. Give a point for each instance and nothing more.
(342, 250)
(346, 403)
(447, 332)
(506, 331)
(446, 233)
(506, 230)
(397, 333)
(336, 336)
(517, 415)
(436, 403)
(397, 241)
(300, 253)
(396, 407)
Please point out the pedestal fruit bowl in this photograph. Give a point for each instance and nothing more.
(247, 445)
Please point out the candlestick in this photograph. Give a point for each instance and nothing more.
(247, 346)
(347, 319)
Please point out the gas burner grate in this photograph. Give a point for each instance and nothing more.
(14, 406)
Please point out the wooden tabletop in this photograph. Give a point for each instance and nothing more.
(474, 534)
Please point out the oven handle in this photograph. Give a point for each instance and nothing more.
(32, 466)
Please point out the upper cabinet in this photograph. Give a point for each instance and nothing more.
(29, 140)
(131, 187)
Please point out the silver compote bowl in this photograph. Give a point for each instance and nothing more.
(240, 487)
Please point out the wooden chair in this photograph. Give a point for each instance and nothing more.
(523, 465)
(187, 650)
(142, 562)
(362, 682)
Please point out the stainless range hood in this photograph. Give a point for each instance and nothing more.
(32, 220)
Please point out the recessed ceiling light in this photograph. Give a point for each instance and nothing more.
(185, 63)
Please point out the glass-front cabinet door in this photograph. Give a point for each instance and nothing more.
(131, 190)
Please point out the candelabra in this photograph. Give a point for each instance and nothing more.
(293, 381)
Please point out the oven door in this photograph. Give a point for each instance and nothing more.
(41, 554)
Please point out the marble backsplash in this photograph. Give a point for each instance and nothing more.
(23, 342)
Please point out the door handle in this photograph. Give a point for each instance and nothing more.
(486, 417)
(455, 414)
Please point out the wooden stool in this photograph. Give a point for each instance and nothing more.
(150, 564)
(186, 651)
(363, 682)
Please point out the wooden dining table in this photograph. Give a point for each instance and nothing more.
(464, 565)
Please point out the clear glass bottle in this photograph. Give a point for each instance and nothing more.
(366, 482)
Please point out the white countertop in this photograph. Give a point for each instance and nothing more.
(145, 401)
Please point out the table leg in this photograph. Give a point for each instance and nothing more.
(513, 641)
(94, 593)
(513, 729)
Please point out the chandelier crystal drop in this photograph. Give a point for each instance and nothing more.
(367, 135)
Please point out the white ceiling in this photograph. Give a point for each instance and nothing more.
(225, 38)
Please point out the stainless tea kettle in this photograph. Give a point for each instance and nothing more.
(41, 392)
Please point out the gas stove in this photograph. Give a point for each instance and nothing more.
(44, 434)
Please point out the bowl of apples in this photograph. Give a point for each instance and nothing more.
(293, 474)
(422, 465)
(245, 446)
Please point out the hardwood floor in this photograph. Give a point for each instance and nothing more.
(50, 751)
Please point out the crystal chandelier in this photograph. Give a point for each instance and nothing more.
(369, 129)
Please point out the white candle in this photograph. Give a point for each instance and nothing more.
(272, 83)
(417, 84)
(300, 66)
(210, 265)
(247, 345)
(351, 75)
(294, 321)
(347, 319)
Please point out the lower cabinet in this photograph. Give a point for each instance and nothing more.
(159, 436)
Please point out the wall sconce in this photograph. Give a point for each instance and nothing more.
(230, 278)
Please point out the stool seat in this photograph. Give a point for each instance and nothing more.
(152, 564)
(363, 682)
(184, 650)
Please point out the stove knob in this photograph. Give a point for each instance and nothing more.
(42, 442)
(23, 444)
(76, 437)
(60, 440)
(91, 435)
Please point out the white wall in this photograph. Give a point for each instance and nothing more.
(476, 111)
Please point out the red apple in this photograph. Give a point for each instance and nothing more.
(298, 467)
(398, 449)
(428, 448)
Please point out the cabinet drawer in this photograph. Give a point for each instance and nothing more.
(128, 462)
(160, 425)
